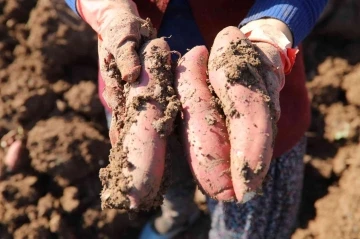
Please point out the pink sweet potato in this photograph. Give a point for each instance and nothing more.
(142, 120)
(13, 154)
(236, 80)
(144, 144)
(204, 132)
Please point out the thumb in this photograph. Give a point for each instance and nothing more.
(274, 77)
(113, 133)
(127, 61)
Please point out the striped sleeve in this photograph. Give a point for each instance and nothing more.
(72, 5)
(299, 15)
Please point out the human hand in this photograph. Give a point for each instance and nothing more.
(120, 33)
(272, 40)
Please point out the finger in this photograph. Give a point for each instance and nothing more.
(122, 40)
(108, 68)
(115, 127)
(113, 94)
(113, 90)
(272, 87)
(274, 73)
(128, 61)
(204, 132)
(117, 104)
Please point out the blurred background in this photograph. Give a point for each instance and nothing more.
(49, 105)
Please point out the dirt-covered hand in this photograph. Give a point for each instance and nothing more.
(276, 56)
(120, 33)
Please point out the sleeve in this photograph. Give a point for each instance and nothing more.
(72, 5)
(299, 15)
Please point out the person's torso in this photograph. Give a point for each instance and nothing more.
(179, 27)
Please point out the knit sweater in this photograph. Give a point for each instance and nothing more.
(299, 15)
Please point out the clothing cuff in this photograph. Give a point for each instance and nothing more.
(299, 15)
(72, 5)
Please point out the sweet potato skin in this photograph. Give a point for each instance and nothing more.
(13, 154)
(143, 117)
(145, 146)
(247, 111)
(204, 133)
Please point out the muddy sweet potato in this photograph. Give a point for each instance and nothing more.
(204, 133)
(234, 73)
(144, 145)
(134, 176)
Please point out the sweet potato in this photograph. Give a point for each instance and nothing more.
(134, 176)
(234, 73)
(13, 154)
(204, 133)
(145, 146)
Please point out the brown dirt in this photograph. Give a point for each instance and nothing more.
(47, 82)
(67, 152)
(239, 60)
(83, 98)
(338, 213)
(330, 207)
(48, 99)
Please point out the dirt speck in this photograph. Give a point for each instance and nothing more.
(210, 119)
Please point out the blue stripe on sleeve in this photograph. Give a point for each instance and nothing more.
(299, 15)
(72, 5)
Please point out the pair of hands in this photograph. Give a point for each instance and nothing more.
(121, 32)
